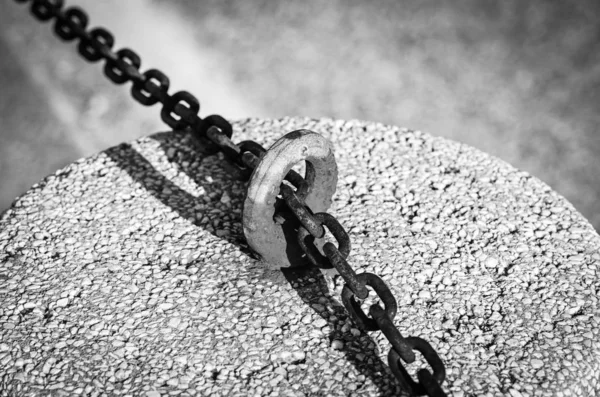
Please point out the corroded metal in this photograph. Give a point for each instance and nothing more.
(428, 383)
(276, 241)
(383, 292)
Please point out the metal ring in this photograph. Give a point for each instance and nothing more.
(276, 243)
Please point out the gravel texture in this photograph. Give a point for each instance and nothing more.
(127, 273)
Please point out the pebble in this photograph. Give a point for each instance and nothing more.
(337, 344)
(48, 365)
(55, 386)
(522, 248)
(535, 363)
(5, 360)
(62, 302)
(491, 262)
(298, 356)
(225, 199)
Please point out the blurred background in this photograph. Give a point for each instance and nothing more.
(519, 80)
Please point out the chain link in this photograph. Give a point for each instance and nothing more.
(180, 111)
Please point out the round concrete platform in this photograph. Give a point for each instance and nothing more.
(127, 274)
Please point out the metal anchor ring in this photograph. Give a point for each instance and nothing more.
(276, 242)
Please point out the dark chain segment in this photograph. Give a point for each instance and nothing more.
(180, 111)
(244, 158)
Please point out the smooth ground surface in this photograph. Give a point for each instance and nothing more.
(519, 80)
(128, 273)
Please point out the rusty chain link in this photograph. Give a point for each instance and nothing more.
(180, 111)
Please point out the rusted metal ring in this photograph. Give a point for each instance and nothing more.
(275, 242)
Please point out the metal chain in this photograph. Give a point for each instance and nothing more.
(180, 111)
(312, 227)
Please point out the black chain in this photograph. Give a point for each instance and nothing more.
(243, 159)
(180, 111)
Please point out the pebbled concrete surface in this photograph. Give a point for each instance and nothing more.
(516, 79)
(127, 273)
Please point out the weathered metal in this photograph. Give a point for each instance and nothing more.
(427, 383)
(311, 244)
(382, 291)
(276, 242)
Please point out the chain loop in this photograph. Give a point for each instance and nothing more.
(96, 45)
(299, 183)
(358, 287)
(426, 381)
(306, 240)
(178, 110)
(201, 128)
(147, 92)
(251, 154)
(243, 165)
(381, 289)
(301, 211)
(45, 10)
(125, 68)
(430, 385)
(226, 145)
(386, 325)
(71, 24)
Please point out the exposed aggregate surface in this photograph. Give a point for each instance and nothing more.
(127, 273)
